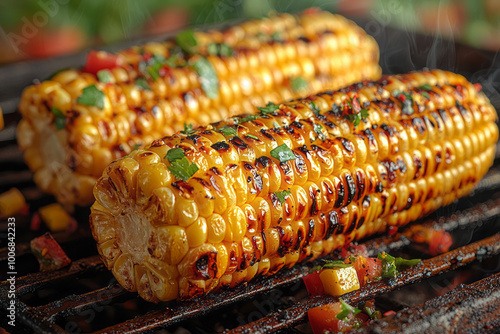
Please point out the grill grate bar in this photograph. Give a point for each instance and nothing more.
(473, 308)
(74, 304)
(437, 265)
(37, 280)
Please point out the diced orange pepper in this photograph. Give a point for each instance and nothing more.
(340, 281)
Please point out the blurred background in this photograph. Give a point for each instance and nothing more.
(32, 29)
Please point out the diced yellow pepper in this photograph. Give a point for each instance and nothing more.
(11, 202)
(337, 282)
(55, 217)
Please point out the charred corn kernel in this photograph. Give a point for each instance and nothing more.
(338, 282)
(55, 217)
(148, 98)
(11, 202)
(337, 182)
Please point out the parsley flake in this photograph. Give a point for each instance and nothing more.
(174, 154)
(253, 137)
(426, 95)
(276, 37)
(282, 195)
(180, 166)
(228, 131)
(269, 108)
(208, 77)
(426, 87)
(314, 108)
(59, 118)
(346, 310)
(248, 118)
(183, 169)
(283, 153)
(298, 84)
(220, 49)
(142, 83)
(136, 146)
(92, 96)
(331, 264)
(391, 265)
(187, 41)
(318, 129)
(104, 76)
(188, 129)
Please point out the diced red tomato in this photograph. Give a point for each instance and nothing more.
(374, 268)
(48, 253)
(389, 313)
(313, 284)
(368, 269)
(36, 220)
(101, 60)
(322, 318)
(440, 242)
(478, 87)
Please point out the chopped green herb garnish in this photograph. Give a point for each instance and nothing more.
(276, 37)
(314, 108)
(59, 118)
(228, 131)
(174, 154)
(357, 114)
(269, 108)
(283, 153)
(282, 195)
(142, 83)
(187, 41)
(183, 169)
(253, 137)
(391, 265)
(426, 95)
(426, 87)
(330, 264)
(248, 118)
(298, 84)
(401, 263)
(346, 310)
(219, 49)
(208, 77)
(389, 269)
(92, 96)
(318, 129)
(188, 129)
(135, 147)
(104, 76)
(180, 166)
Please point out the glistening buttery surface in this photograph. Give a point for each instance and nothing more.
(156, 88)
(245, 213)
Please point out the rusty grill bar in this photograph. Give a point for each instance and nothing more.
(480, 210)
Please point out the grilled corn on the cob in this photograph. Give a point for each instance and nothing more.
(76, 123)
(252, 195)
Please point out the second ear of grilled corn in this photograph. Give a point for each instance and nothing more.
(254, 194)
(77, 122)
